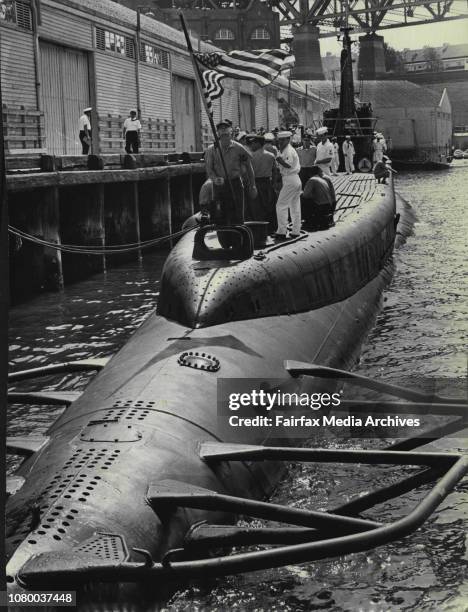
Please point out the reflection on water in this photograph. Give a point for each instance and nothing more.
(421, 330)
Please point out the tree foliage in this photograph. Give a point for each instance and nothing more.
(394, 60)
(431, 56)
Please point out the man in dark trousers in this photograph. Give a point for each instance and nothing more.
(230, 188)
(85, 130)
(263, 162)
(318, 202)
(307, 154)
(131, 132)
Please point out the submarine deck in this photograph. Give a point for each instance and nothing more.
(294, 275)
(351, 191)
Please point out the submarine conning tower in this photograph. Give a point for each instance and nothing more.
(320, 268)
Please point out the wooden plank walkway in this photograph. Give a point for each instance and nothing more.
(352, 191)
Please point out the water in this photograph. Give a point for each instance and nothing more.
(422, 329)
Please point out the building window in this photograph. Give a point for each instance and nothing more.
(115, 43)
(13, 11)
(260, 34)
(154, 55)
(224, 34)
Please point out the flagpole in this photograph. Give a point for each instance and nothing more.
(198, 79)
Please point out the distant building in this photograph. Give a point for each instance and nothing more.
(447, 57)
(439, 69)
(332, 69)
(413, 119)
(228, 24)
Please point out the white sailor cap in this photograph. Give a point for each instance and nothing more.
(133, 110)
(285, 134)
(321, 131)
(268, 137)
(88, 109)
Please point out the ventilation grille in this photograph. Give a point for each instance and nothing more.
(68, 490)
(107, 546)
(129, 47)
(23, 15)
(128, 411)
(100, 39)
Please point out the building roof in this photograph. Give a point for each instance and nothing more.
(382, 94)
(445, 52)
(114, 12)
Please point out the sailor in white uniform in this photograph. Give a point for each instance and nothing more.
(379, 148)
(348, 153)
(335, 163)
(325, 151)
(289, 198)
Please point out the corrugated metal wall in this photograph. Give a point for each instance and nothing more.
(155, 92)
(116, 90)
(181, 65)
(184, 113)
(59, 26)
(17, 68)
(230, 101)
(261, 109)
(115, 76)
(65, 92)
(273, 113)
(247, 112)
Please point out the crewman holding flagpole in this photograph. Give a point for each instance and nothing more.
(289, 198)
(224, 166)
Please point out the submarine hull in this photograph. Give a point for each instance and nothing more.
(141, 421)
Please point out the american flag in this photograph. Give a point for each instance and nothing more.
(212, 88)
(261, 66)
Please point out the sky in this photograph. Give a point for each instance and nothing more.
(415, 37)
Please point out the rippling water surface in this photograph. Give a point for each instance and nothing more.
(422, 330)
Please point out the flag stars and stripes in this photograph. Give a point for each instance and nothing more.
(212, 87)
(261, 66)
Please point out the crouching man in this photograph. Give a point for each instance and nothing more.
(318, 202)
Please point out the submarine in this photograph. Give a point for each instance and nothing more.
(139, 474)
(136, 488)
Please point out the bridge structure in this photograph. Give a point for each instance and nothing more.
(305, 22)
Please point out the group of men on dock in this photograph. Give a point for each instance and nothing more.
(244, 180)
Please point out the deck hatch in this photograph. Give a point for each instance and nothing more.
(199, 361)
(109, 431)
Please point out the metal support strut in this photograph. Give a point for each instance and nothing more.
(315, 535)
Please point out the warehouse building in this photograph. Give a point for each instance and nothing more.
(414, 119)
(60, 57)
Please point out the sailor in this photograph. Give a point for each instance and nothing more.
(296, 137)
(131, 132)
(335, 162)
(270, 143)
(348, 153)
(325, 151)
(263, 163)
(289, 198)
(229, 189)
(379, 148)
(241, 138)
(85, 130)
(382, 170)
(307, 154)
(318, 201)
